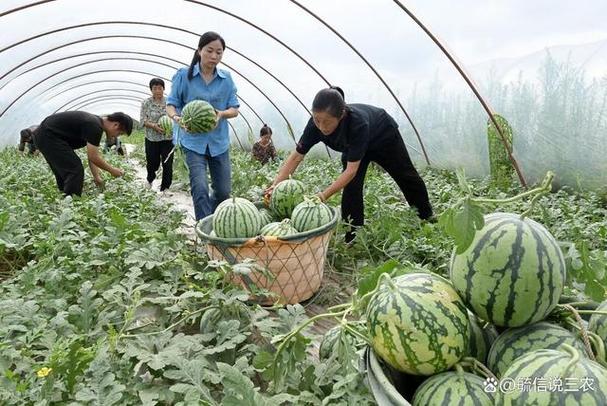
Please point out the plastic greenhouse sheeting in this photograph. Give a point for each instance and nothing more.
(541, 65)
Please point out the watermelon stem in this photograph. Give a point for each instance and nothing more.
(599, 347)
(169, 328)
(477, 366)
(544, 188)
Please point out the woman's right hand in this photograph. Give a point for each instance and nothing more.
(267, 194)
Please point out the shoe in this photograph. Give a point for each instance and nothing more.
(166, 193)
(148, 185)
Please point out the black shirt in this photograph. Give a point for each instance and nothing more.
(77, 128)
(363, 128)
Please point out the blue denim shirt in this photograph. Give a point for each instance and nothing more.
(220, 93)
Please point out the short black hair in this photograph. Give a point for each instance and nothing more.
(265, 130)
(330, 100)
(125, 121)
(156, 81)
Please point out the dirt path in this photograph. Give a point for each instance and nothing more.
(179, 199)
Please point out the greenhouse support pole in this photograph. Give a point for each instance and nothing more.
(472, 87)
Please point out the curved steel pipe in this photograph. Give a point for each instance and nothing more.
(419, 139)
(151, 61)
(175, 68)
(191, 32)
(97, 92)
(471, 85)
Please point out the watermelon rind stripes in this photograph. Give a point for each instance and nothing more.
(554, 377)
(236, 218)
(266, 216)
(513, 272)
(278, 229)
(285, 196)
(198, 116)
(167, 126)
(598, 322)
(311, 214)
(453, 388)
(417, 323)
(516, 342)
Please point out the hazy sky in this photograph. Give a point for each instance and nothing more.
(476, 31)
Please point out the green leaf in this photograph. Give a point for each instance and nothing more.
(371, 275)
(462, 223)
(595, 290)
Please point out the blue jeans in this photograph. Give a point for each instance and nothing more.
(221, 180)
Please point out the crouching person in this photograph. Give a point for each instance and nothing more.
(60, 134)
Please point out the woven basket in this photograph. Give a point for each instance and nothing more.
(296, 262)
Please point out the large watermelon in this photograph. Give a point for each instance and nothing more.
(310, 214)
(167, 126)
(278, 229)
(598, 322)
(198, 116)
(519, 341)
(482, 336)
(553, 377)
(453, 388)
(285, 196)
(236, 218)
(418, 324)
(513, 272)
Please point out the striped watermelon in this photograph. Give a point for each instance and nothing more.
(266, 216)
(285, 196)
(198, 116)
(513, 272)
(167, 126)
(236, 218)
(554, 377)
(598, 322)
(278, 229)
(482, 336)
(310, 214)
(453, 388)
(417, 323)
(515, 342)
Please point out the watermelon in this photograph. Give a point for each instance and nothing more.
(198, 116)
(278, 229)
(266, 217)
(598, 322)
(513, 272)
(482, 336)
(515, 342)
(554, 377)
(167, 126)
(453, 388)
(417, 323)
(236, 218)
(310, 214)
(285, 196)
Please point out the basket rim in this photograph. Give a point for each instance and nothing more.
(240, 241)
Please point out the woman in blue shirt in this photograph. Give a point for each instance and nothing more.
(204, 81)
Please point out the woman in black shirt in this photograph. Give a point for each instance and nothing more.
(363, 134)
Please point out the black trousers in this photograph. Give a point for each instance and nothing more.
(392, 155)
(156, 152)
(64, 162)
